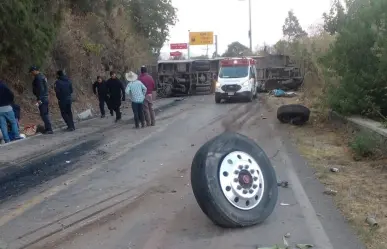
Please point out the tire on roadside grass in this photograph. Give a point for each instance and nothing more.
(233, 166)
(294, 114)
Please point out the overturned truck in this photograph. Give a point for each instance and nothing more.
(185, 77)
(278, 72)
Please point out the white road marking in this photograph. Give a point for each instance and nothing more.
(315, 227)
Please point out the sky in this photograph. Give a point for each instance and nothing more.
(229, 20)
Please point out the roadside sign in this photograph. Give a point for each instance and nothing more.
(201, 38)
(179, 46)
(175, 53)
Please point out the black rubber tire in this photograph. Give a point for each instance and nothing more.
(294, 114)
(206, 186)
(217, 100)
(250, 97)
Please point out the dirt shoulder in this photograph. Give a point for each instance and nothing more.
(360, 184)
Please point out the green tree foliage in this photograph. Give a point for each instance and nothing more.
(27, 31)
(359, 59)
(236, 49)
(152, 19)
(334, 20)
(292, 28)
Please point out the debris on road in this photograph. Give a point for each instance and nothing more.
(372, 222)
(284, 204)
(330, 192)
(283, 184)
(282, 93)
(304, 246)
(287, 235)
(334, 170)
(293, 114)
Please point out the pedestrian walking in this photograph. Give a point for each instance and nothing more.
(136, 91)
(63, 90)
(116, 92)
(7, 114)
(149, 83)
(100, 89)
(40, 90)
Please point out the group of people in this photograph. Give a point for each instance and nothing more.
(139, 89)
(111, 92)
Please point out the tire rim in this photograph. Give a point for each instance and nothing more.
(241, 180)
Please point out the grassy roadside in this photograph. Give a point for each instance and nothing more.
(361, 185)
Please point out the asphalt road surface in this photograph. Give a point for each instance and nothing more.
(131, 189)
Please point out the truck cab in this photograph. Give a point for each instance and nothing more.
(236, 79)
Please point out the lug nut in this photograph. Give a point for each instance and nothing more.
(251, 191)
(236, 172)
(240, 167)
(255, 178)
(246, 166)
(252, 171)
(235, 179)
(239, 187)
(245, 191)
(255, 186)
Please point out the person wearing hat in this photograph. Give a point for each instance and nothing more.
(116, 93)
(63, 90)
(149, 83)
(40, 90)
(136, 92)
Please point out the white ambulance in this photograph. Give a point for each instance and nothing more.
(236, 79)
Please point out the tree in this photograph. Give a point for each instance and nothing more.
(334, 21)
(200, 57)
(236, 49)
(152, 19)
(359, 59)
(292, 28)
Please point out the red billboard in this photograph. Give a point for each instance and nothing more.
(179, 45)
(176, 54)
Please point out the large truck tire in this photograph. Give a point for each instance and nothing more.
(233, 181)
(293, 114)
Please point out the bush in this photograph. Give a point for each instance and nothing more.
(359, 59)
(364, 144)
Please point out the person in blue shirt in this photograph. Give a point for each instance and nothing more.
(136, 91)
(7, 114)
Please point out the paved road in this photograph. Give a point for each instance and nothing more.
(132, 190)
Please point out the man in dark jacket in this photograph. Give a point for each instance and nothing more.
(7, 114)
(100, 89)
(63, 90)
(116, 92)
(40, 90)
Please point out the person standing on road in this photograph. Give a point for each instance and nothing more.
(136, 91)
(63, 90)
(149, 83)
(116, 92)
(100, 89)
(7, 114)
(40, 90)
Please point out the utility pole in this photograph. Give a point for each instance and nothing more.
(250, 34)
(188, 46)
(216, 45)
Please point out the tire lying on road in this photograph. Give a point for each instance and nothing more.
(293, 114)
(233, 181)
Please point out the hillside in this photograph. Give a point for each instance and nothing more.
(85, 38)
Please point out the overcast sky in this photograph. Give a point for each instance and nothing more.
(229, 19)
